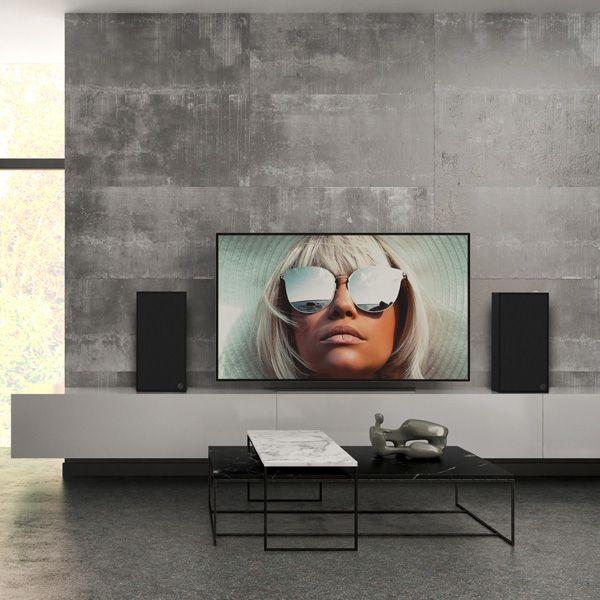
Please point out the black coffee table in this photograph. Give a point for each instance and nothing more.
(231, 464)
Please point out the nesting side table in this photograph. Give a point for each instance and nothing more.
(283, 456)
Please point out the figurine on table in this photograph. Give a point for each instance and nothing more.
(431, 439)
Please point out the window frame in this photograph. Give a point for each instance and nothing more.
(38, 164)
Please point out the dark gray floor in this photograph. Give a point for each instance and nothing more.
(97, 539)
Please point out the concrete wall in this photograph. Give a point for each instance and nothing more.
(179, 126)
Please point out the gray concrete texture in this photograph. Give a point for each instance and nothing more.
(142, 538)
(183, 125)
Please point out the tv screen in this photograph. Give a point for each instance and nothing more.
(343, 307)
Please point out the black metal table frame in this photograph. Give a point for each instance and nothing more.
(213, 509)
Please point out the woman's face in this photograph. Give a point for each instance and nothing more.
(343, 342)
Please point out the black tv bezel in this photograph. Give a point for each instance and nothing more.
(342, 384)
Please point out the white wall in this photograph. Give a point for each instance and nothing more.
(32, 32)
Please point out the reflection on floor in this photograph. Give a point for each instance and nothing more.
(110, 539)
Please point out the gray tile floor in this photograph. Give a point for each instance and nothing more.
(97, 539)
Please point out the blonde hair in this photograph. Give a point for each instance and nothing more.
(274, 325)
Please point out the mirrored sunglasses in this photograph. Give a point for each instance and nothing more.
(372, 289)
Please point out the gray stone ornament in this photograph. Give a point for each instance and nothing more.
(412, 429)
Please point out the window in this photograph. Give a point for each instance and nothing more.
(31, 233)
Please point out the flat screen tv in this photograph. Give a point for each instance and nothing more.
(343, 307)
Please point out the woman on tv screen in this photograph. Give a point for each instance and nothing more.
(343, 307)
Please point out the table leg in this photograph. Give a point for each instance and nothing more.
(215, 506)
(508, 540)
(356, 508)
(212, 502)
(512, 513)
(265, 507)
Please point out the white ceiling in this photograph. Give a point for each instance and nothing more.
(33, 30)
(318, 5)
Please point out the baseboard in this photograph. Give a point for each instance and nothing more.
(148, 467)
(126, 467)
(550, 467)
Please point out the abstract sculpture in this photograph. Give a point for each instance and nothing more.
(429, 439)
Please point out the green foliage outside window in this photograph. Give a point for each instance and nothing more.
(31, 236)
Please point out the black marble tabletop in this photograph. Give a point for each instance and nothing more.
(237, 462)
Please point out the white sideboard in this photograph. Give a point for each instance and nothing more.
(572, 425)
(124, 424)
(120, 423)
(490, 425)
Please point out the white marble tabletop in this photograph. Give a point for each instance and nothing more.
(298, 448)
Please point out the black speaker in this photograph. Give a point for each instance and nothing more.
(161, 342)
(520, 342)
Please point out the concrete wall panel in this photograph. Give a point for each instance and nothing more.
(523, 232)
(517, 138)
(180, 126)
(155, 232)
(158, 51)
(340, 140)
(136, 138)
(341, 53)
(517, 51)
